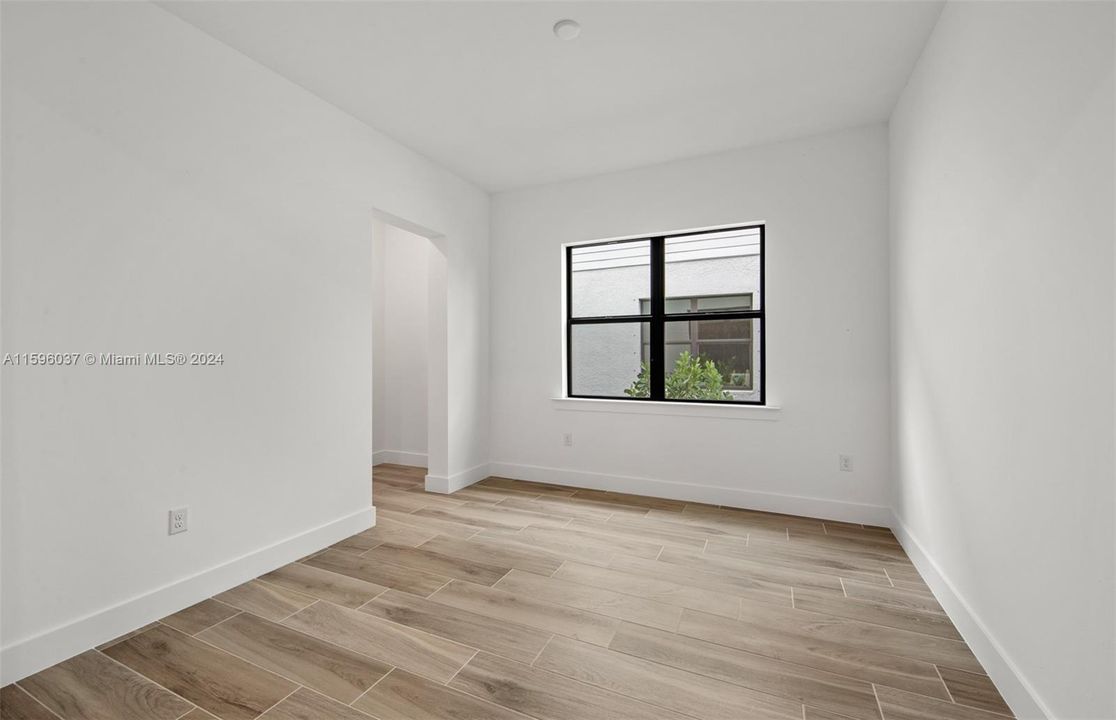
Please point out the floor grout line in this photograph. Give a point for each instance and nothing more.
(540, 652)
(368, 602)
(443, 587)
(475, 653)
(238, 613)
(369, 688)
(44, 706)
(296, 612)
(292, 692)
(948, 692)
(879, 705)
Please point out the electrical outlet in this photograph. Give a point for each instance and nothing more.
(178, 521)
(567, 439)
(844, 463)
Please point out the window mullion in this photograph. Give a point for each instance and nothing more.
(658, 311)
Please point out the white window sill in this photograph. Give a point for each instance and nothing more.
(647, 407)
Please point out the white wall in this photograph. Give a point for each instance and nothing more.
(1002, 283)
(162, 192)
(399, 416)
(825, 203)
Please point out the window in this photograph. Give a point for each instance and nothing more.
(674, 317)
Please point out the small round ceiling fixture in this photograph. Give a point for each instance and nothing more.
(566, 29)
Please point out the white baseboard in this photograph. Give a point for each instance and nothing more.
(1018, 693)
(399, 457)
(29, 656)
(711, 494)
(453, 483)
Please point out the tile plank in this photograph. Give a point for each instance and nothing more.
(639, 501)
(378, 573)
(497, 636)
(308, 705)
(197, 617)
(394, 644)
(594, 599)
(577, 507)
(975, 690)
(562, 548)
(266, 600)
(330, 669)
(428, 561)
(529, 611)
(198, 714)
(404, 695)
(589, 541)
(821, 689)
(640, 531)
(685, 692)
(549, 696)
(783, 637)
(747, 569)
(16, 704)
(738, 585)
(862, 636)
(651, 588)
(212, 679)
(434, 525)
(900, 705)
(323, 584)
(91, 686)
(801, 557)
(910, 599)
(478, 549)
(398, 533)
(879, 613)
(493, 516)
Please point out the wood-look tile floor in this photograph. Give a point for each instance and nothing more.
(511, 600)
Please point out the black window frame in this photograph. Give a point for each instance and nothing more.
(658, 317)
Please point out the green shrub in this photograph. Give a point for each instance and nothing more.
(691, 379)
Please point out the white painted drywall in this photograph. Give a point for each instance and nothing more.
(399, 417)
(162, 192)
(824, 200)
(1002, 283)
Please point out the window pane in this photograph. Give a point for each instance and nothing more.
(720, 303)
(612, 279)
(721, 361)
(724, 263)
(605, 359)
(723, 329)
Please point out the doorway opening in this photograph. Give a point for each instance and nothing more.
(408, 318)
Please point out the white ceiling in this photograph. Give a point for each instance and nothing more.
(485, 89)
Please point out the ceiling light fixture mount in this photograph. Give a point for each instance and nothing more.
(567, 29)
